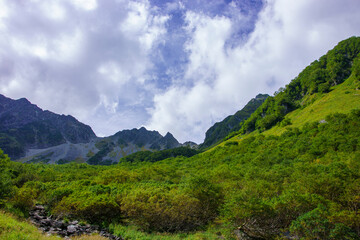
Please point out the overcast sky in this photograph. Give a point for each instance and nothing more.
(171, 66)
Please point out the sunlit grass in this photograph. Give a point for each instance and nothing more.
(14, 229)
(342, 99)
(132, 232)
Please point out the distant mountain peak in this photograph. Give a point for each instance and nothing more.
(232, 123)
(24, 125)
(168, 135)
(261, 96)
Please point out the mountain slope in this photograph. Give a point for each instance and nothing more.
(30, 134)
(319, 77)
(24, 125)
(299, 179)
(232, 123)
(103, 151)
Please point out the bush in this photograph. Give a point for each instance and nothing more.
(90, 207)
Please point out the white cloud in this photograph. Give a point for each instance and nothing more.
(113, 72)
(106, 62)
(3, 14)
(77, 62)
(53, 9)
(65, 48)
(287, 37)
(206, 47)
(87, 5)
(142, 26)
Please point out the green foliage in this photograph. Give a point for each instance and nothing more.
(13, 229)
(330, 70)
(11, 145)
(6, 187)
(315, 224)
(42, 134)
(263, 185)
(302, 184)
(148, 156)
(232, 123)
(93, 206)
(105, 148)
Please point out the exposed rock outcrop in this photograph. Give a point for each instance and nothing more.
(53, 226)
(24, 125)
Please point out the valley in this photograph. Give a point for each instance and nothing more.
(289, 170)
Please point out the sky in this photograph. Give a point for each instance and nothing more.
(171, 66)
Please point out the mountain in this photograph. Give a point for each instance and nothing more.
(24, 125)
(103, 151)
(148, 139)
(31, 134)
(190, 144)
(290, 172)
(232, 123)
(314, 81)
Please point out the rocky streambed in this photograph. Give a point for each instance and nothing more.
(53, 226)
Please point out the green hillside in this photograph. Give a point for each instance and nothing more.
(291, 172)
(320, 77)
(231, 124)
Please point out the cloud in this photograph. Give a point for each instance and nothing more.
(171, 66)
(287, 37)
(86, 58)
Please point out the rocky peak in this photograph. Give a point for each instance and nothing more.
(190, 144)
(143, 137)
(24, 125)
(232, 123)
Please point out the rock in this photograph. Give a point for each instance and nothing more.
(52, 226)
(71, 229)
(45, 222)
(59, 224)
(74, 222)
(39, 208)
(36, 216)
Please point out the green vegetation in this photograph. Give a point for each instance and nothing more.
(105, 146)
(14, 229)
(231, 124)
(299, 179)
(263, 184)
(148, 156)
(323, 74)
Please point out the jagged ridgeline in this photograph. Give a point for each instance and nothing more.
(30, 134)
(231, 124)
(323, 74)
(24, 125)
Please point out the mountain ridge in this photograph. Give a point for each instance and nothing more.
(231, 123)
(291, 174)
(24, 125)
(30, 134)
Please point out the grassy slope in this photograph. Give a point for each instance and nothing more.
(13, 229)
(342, 99)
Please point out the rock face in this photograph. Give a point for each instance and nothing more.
(52, 226)
(104, 151)
(232, 123)
(145, 138)
(24, 125)
(190, 144)
(29, 134)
